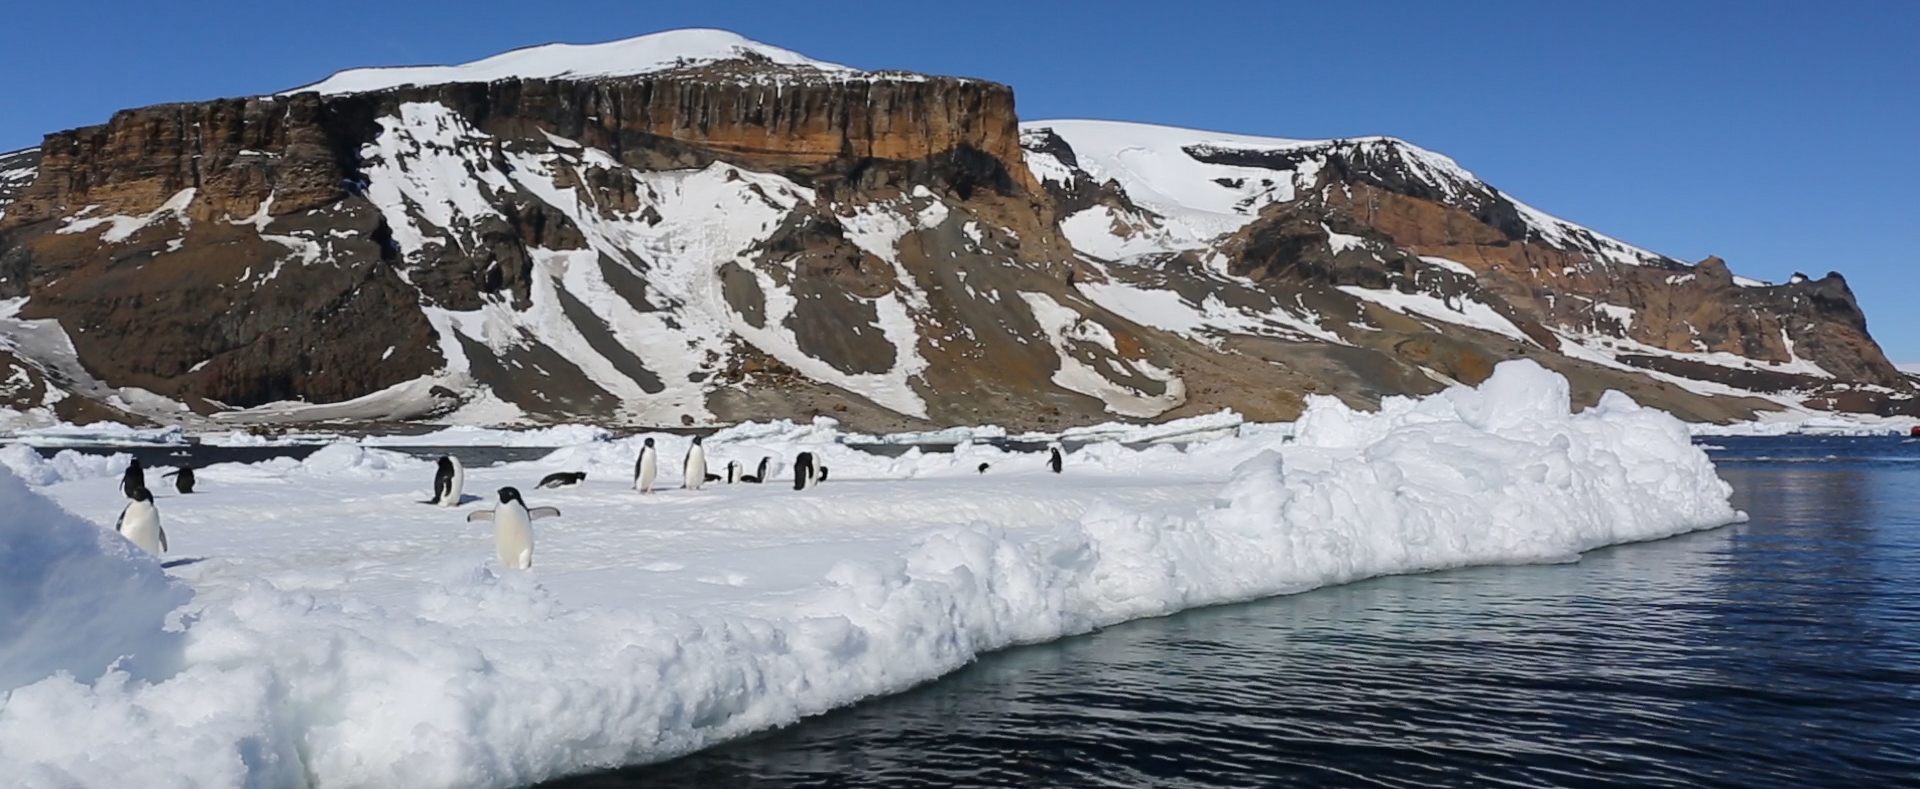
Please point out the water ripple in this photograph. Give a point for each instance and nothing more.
(1784, 652)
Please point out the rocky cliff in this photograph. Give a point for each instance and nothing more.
(691, 227)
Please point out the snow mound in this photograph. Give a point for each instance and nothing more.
(646, 54)
(346, 460)
(75, 598)
(653, 626)
(65, 465)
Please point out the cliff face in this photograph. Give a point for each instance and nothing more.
(197, 303)
(740, 235)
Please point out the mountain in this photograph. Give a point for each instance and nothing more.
(690, 227)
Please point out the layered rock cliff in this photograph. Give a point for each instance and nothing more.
(691, 227)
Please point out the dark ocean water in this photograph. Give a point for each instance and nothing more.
(1783, 652)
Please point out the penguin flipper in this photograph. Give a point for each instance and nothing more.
(480, 515)
(163, 537)
(542, 512)
(526, 559)
(120, 520)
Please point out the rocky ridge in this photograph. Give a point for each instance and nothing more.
(691, 228)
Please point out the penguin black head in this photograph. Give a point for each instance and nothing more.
(648, 443)
(696, 441)
(446, 463)
(134, 466)
(140, 494)
(511, 495)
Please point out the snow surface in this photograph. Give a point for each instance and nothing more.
(342, 634)
(646, 54)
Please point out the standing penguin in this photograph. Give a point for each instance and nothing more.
(140, 522)
(1053, 458)
(696, 472)
(448, 480)
(804, 474)
(135, 478)
(182, 479)
(646, 468)
(733, 472)
(513, 528)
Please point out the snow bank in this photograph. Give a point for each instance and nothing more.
(370, 643)
(101, 433)
(1793, 423)
(466, 436)
(25, 462)
(75, 598)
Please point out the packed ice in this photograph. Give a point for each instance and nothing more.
(316, 625)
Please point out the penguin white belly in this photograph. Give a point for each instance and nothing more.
(513, 538)
(649, 468)
(140, 524)
(696, 467)
(454, 490)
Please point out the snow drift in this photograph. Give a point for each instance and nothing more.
(75, 598)
(652, 626)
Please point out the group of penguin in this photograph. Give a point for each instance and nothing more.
(512, 519)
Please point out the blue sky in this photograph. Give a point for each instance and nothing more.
(1782, 136)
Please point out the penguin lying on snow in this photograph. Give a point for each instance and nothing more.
(182, 479)
(759, 476)
(140, 522)
(513, 528)
(646, 468)
(983, 468)
(561, 479)
(448, 480)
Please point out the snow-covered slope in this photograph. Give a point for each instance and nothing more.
(1206, 184)
(360, 638)
(647, 54)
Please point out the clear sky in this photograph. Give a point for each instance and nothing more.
(1782, 136)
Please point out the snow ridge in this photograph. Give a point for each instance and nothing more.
(411, 662)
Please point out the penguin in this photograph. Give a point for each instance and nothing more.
(733, 472)
(646, 468)
(759, 476)
(983, 468)
(140, 522)
(134, 479)
(1053, 459)
(448, 480)
(803, 472)
(182, 479)
(562, 479)
(696, 469)
(513, 528)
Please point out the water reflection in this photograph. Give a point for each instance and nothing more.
(1777, 653)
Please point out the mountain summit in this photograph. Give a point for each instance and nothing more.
(691, 228)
